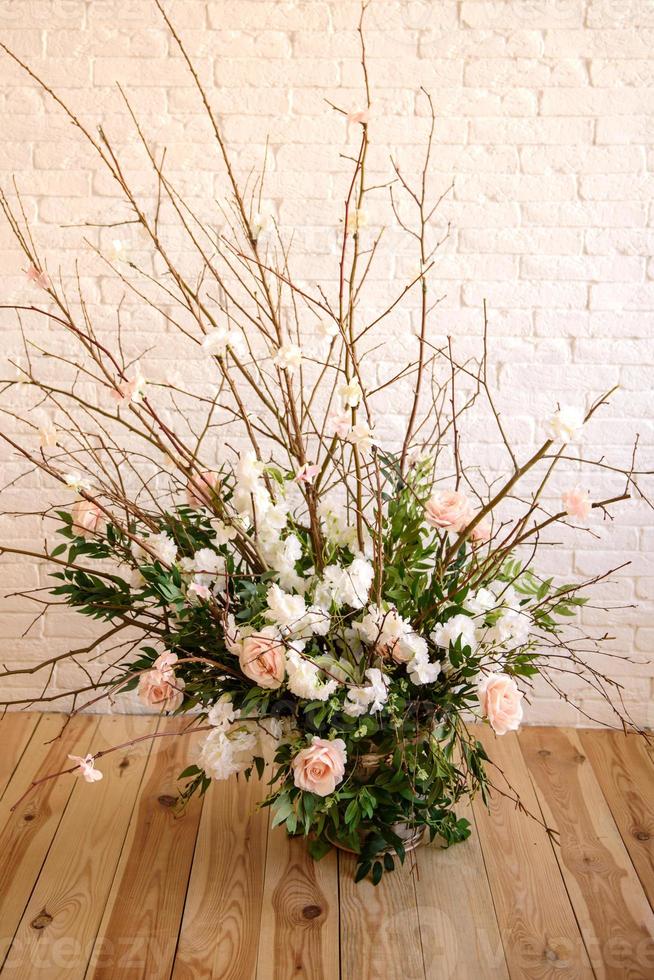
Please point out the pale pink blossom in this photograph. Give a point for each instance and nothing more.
(481, 533)
(307, 472)
(361, 116)
(38, 277)
(88, 519)
(449, 509)
(200, 488)
(262, 658)
(130, 391)
(500, 702)
(577, 503)
(86, 768)
(199, 591)
(358, 117)
(321, 766)
(340, 423)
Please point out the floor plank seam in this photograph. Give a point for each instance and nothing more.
(490, 888)
(137, 797)
(37, 877)
(557, 856)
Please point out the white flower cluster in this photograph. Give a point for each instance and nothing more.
(393, 636)
(345, 586)
(160, 547)
(511, 627)
(232, 745)
(254, 503)
(208, 571)
(368, 698)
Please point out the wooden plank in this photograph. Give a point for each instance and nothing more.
(612, 910)
(222, 916)
(625, 773)
(458, 927)
(140, 925)
(299, 922)
(537, 924)
(380, 928)
(59, 925)
(28, 832)
(16, 729)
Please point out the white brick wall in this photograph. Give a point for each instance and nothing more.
(545, 122)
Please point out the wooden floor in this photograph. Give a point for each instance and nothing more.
(102, 881)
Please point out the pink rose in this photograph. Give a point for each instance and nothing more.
(262, 658)
(200, 488)
(161, 689)
(448, 509)
(577, 503)
(88, 519)
(481, 533)
(500, 702)
(320, 767)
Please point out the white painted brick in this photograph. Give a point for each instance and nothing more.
(545, 122)
(563, 129)
(536, 13)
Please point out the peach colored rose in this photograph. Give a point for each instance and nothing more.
(448, 509)
(481, 532)
(500, 702)
(577, 503)
(161, 689)
(88, 519)
(201, 488)
(320, 767)
(262, 658)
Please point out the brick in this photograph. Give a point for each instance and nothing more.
(503, 73)
(537, 13)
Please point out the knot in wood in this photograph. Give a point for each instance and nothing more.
(42, 920)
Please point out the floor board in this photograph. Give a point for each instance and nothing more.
(107, 882)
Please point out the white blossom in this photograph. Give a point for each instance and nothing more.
(480, 601)
(288, 357)
(160, 547)
(208, 567)
(328, 329)
(284, 610)
(77, 482)
(512, 628)
(247, 472)
(346, 586)
(222, 714)
(458, 627)
(223, 755)
(303, 678)
(566, 424)
(361, 436)
(224, 533)
(370, 697)
(220, 339)
(350, 392)
(422, 670)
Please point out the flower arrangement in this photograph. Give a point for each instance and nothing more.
(330, 612)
